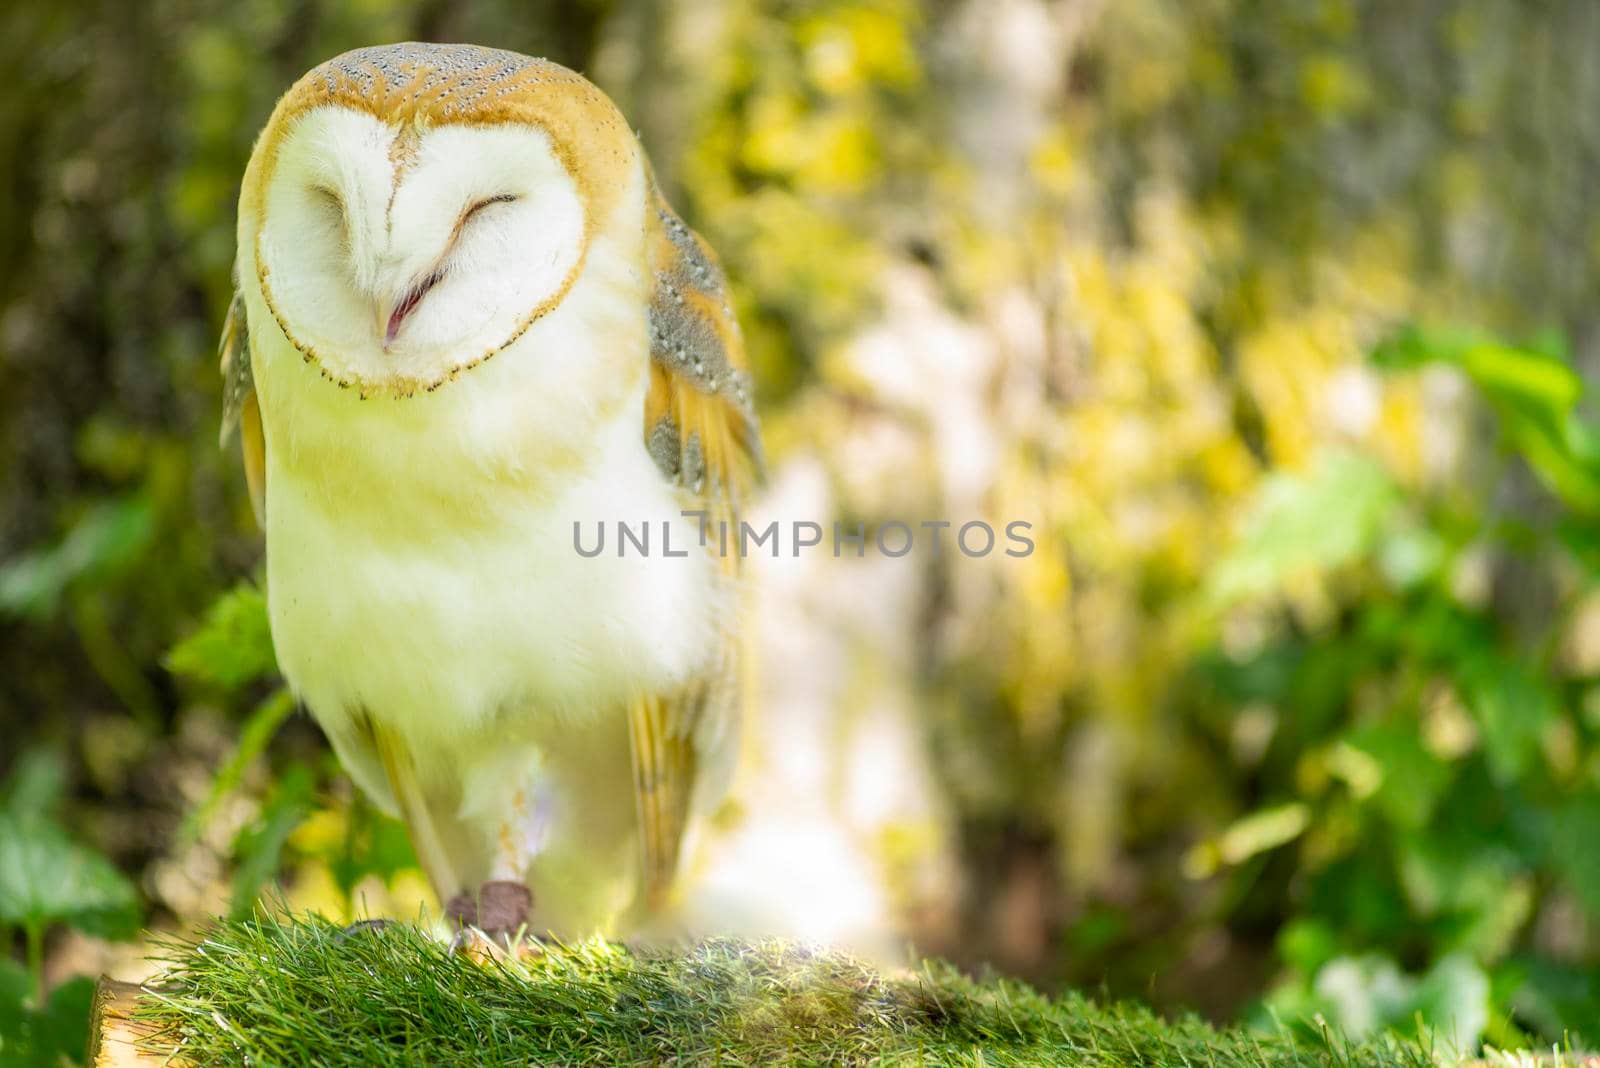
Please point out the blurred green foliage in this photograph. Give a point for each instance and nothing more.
(48, 880)
(1294, 709)
(1438, 752)
(46, 1036)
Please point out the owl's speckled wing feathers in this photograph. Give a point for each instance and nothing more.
(699, 421)
(700, 429)
(240, 410)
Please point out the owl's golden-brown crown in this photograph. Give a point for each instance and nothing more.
(446, 83)
(420, 84)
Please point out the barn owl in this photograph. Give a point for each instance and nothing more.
(466, 322)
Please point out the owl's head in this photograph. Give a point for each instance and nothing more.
(412, 209)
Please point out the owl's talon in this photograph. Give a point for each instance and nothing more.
(475, 944)
(361, 927)
(471, 942)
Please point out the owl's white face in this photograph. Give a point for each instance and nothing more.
(406, 260)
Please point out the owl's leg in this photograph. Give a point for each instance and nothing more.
(505, 800)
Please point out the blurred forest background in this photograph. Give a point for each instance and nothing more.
(1272, 317)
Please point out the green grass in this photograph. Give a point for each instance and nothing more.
(289, 991)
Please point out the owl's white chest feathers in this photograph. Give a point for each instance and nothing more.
(422, 569)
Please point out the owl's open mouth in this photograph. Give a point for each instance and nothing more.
(408, 304)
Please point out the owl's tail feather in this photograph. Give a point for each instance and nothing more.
(402, 774)
(663, 780)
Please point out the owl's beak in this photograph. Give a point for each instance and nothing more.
(390, 317)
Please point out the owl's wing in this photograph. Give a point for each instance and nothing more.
(700, 429)
(239, 408)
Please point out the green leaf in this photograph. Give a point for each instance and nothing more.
(1573, 833)
(1368, 994)
(1536, 394)
(1578, 534)
(1559, 999)
(107, 537)
(258, 731)
(1560, 452)
(37, 783)
(1412, 555)
(15, 986)
(1513, 707)
(1314, 522)
(1307, 944)
(61, 1030)
(1454, 998)
(1534, 380)
(260, 845)
(375, 845)
(1535, 376)
(47, 1037)
(1261, 831)
(1412, 778)
(46, 879)
(1365, 994)
(1474, 891)
(233, 646)
(1413, 346)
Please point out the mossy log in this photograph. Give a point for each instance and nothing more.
(297, 991)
